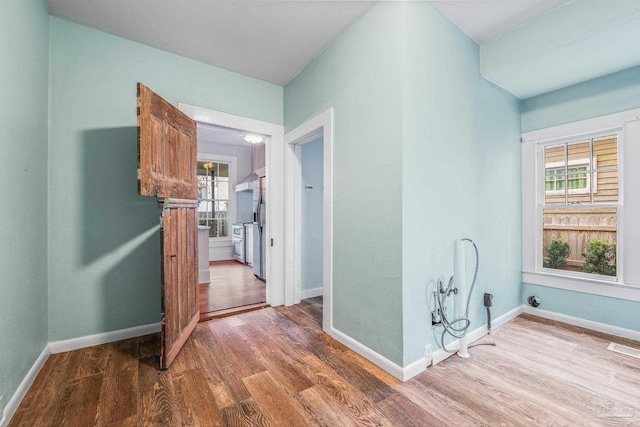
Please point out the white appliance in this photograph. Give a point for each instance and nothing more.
(238, 240)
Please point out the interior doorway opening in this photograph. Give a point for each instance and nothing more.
(231, 218)
(237, 264)
(300, 244)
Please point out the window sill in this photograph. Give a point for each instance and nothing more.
(604, 288)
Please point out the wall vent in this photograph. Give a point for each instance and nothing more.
(629, 351)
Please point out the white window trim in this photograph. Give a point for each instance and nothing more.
(233, 178)
(627, 284)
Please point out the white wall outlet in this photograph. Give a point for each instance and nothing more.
(428, 354)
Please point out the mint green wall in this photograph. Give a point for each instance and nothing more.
(605, 95)
(104, 250)
(426, 152)
(359, 75)
(460, 175)
(611, 311)
(24, 56)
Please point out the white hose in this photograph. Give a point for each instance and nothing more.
(452, 327)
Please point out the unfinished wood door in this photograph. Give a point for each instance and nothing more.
(167, 170)
(167, 150)
(180, 312)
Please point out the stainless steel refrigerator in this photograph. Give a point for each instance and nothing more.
(259, 227)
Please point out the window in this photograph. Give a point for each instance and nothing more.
(579, 215)
(213, 194)
(578, 180)
(604, 210)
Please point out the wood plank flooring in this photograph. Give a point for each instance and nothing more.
(233, 289)
(274, 367)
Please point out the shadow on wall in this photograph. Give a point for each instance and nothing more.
(120, 228)
(113, 212)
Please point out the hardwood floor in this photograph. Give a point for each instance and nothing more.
(274, 367)
(233, 289)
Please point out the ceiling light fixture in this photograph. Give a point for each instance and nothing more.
(253, 139)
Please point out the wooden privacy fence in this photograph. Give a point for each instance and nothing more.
(578, 227)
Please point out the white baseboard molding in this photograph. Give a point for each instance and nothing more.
(69, 345)
(584, 323)
(23, 388)
(103, 338)
(420, 365)
(204, 276)
(440, 354)
(310, 293)
(377, 359)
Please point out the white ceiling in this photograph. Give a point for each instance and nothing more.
(221, 135)
(269, 40)
(483, 20)
(266, 39)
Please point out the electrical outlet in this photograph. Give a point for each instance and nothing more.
(427, 354)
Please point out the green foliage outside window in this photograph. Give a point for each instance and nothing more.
(557, 254)
(600, 258)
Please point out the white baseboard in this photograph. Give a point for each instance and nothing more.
(372, 356)
(584, 323)
(420, 365)
(310, 293)
(440, 354)
(102, 338)
(23, 388)
(204, 276)
(69, 345)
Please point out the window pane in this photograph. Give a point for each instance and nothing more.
(581, 240)
(554, 155)
(578, 151)
(213, 230)
(554, 166)
(204, 210)
(605, 152)
(223, 170)
(607, 191)
(224, 228)
(213, 192)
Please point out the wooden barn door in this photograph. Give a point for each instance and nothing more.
(167, 153)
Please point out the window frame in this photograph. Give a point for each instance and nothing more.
(231, 213)
(533, 196)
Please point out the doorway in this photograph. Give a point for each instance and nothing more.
(232, 286)
(226, 177)
(317, 129)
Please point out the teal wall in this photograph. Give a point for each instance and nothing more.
(104, 253)
(605, 95)
(311, 165)
(359, 75)
(460, 177)
(24, 47)
(426, 152)
(611, 311)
